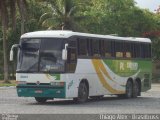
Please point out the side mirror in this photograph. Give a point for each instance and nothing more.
(11, 51)
(64, 52)
(11, 55)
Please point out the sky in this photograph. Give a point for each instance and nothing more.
(152, 5)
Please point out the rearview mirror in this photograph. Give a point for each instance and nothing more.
(11, 51)
(11, 55)
(64, 52)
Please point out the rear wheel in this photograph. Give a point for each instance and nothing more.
(129, 89)
(40, 99)
(136, 89)
(82, 93)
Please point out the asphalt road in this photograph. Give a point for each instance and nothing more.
(149, 102)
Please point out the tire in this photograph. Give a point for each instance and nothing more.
(97, 97)
(82, 93)
(129, 90)
(40, 99)
(135, 89)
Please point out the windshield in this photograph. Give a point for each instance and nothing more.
(41, 55)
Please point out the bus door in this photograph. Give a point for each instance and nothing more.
(72, 56)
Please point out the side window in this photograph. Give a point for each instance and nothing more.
(71, 56)
(102, 48)
(95, 45)
(107, 48)
(140, 50)
(72, 43)
(146, 50)
(113, 48)
(133, 50)
(119, 49)
(72, 51)
(137, 50)
(89, 50)
(127, 50)
(82, 47)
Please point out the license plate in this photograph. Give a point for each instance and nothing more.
(38, 91)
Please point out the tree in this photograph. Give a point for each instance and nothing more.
(63, 15)
(22, 9)
(4, 19)
(105, 15)
(120, 17)
(158, 10)
(34, 11)
(8, 10)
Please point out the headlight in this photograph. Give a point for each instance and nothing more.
(57, 84)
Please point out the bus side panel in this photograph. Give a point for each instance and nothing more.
(134, 69)
(94, 71)
(110, 76)
(84, 71)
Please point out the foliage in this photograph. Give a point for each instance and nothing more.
(120, 17)
(63, 15)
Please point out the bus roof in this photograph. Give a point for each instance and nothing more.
(67, 34)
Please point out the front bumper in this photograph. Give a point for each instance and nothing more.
(40, 91)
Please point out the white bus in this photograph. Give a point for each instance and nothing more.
(66, 64)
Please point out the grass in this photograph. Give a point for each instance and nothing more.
(3, 84)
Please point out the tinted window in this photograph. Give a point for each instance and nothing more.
(137, 50)
(95, 48)
(29, 55)
(127, 50)
(107, 48)
(119, 48)
(51, 55)
(82, 47)
(72, 43)
(146, 50)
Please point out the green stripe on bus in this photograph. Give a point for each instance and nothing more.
(55, 76)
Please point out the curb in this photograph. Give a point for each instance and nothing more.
(8, 87)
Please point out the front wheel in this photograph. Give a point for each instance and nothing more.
(82, 93)
(129, 89)
(40, 99)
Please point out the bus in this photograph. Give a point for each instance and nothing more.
(73, 65)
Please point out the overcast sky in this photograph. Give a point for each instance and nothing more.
(149, 4)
